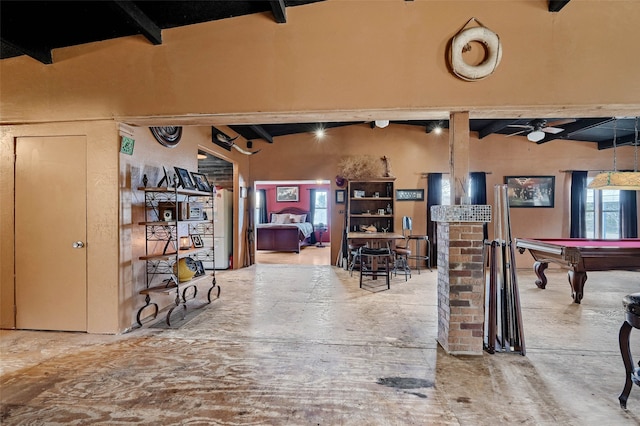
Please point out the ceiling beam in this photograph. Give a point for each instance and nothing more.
(279, 11)
(556, 5)
(621, 141)
(575, 127)
(142, 22)
(262, 133)
(41, 55)
(494, 127)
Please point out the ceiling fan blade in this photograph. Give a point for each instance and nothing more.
(552, 130)
(517, 133)
(561, 122)
(521, 126)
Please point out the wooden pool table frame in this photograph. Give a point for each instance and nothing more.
(580, 256)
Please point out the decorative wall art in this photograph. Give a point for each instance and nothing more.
(287, 193)
(340, 196)
(167, 136)
(530, 191)
(410, 194)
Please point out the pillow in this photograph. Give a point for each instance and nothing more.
(280, 218)
(298, 218)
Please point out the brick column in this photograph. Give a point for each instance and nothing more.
(461, 277)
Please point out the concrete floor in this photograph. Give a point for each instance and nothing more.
(303, 345)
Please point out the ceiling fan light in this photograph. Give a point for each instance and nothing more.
(382, 123)
(629, 181)
(536, 135)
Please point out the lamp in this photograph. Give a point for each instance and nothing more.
(536, 135)
(185, 243)
(629, 181)
(382, 123)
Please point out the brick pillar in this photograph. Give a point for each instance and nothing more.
(460, 287)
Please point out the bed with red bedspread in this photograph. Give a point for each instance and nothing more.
(288, 230)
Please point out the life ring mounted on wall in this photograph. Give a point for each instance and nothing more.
(460, 43)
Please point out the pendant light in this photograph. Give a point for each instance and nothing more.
(629, 181)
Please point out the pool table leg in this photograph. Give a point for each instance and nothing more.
(539, 268)
(577, 280)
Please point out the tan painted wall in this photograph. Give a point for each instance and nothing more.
(385, 60)
(413, 152)
(342, 55)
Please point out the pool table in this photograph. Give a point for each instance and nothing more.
(580, 255)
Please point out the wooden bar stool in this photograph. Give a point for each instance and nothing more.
(631, 303)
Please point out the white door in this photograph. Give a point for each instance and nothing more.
(50, 227)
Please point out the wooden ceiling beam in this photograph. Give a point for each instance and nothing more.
(262, 133)
(494, 127)
(279, 10)
(142, 22)
(556, 5)
(578, 126)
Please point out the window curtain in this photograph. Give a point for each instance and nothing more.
(628, 214)
(478, 194)
(578, 227)
(312, 213)
(434, 198)
(262, 208)
(478, 191)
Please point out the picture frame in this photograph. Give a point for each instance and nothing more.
(531, 191)
(340, 196)
(201, 182)
(166, 178)
(199, 268)
(184, 178)
(287, 194)
(409, 194)
(197, 240)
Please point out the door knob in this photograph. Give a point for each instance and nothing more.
(78, 244)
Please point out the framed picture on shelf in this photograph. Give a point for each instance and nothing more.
(184, 179)
(166, 178)
(197, 241)
(340, 196)
(201, 182)
(287, 193)
(530, 191)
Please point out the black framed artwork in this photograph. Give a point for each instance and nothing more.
(340, 196)
(201, 182)
(287, 193)
(531, 191)
(184, 178)
(410, 194)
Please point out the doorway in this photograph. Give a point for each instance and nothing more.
(50, 233)
(311, 197)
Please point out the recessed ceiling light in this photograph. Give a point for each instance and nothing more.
(319, 133)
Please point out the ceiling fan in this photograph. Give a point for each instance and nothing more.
(537, 128)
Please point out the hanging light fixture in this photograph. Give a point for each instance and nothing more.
(629, 181)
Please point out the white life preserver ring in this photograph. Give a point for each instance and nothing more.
(488, 66)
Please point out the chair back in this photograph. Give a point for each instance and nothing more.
(406, 225)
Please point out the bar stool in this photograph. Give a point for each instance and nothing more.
(418, 257)
(401, 261)
(631, 303)
(407, 225)
(374, 263)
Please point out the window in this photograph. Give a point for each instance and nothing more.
(320, 215)
(603, 213)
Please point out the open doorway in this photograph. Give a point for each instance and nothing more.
(219, 172)
(293, 222)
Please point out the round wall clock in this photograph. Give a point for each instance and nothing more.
(168, 136)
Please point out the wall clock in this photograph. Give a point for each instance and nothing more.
(168, 136)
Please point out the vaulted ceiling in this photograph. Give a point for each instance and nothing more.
(34, 28)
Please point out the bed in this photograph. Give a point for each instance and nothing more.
(288, 230)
